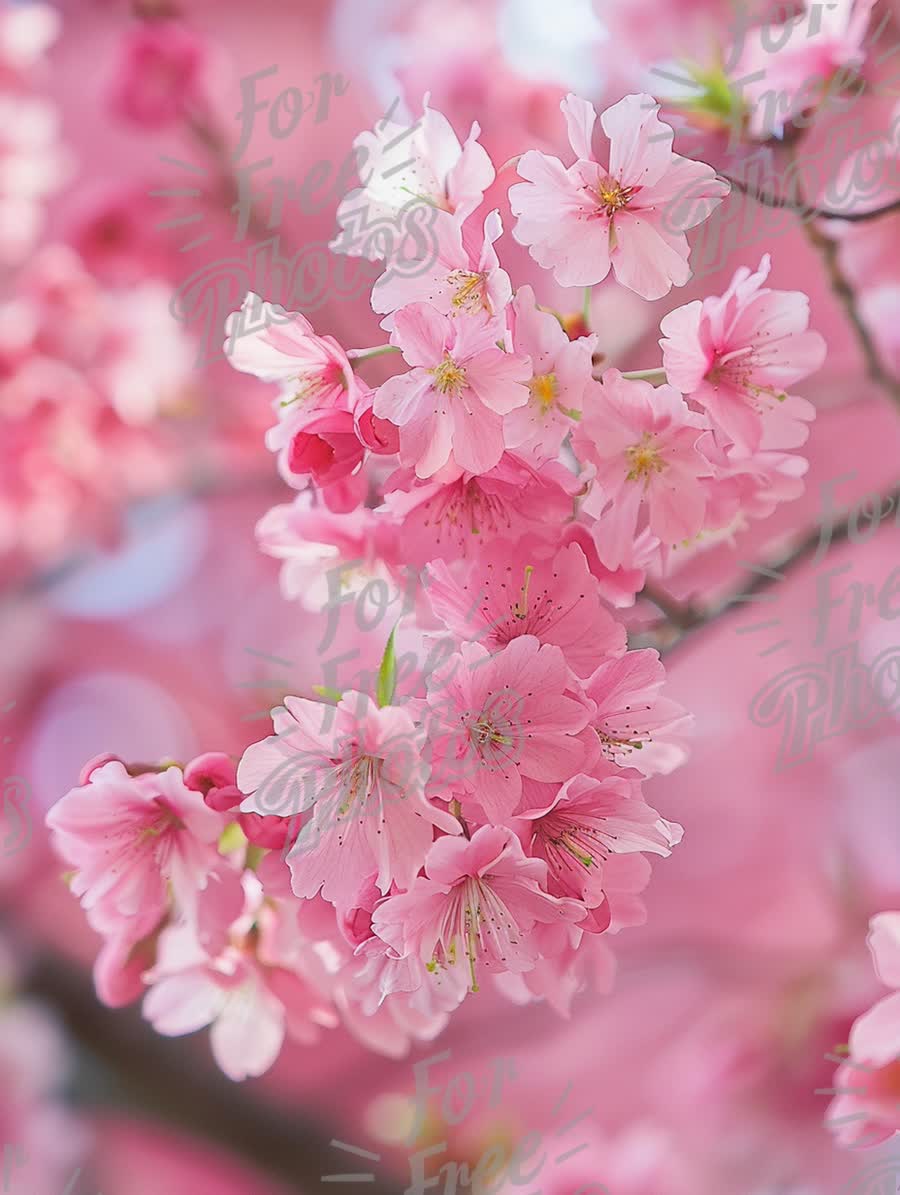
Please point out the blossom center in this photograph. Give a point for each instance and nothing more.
(544, 389)
(449, 378)
(485, 733)
(644, 458)
(613, 196)
(356, 780)
(469, 293)
(313, 386)
(165, 820)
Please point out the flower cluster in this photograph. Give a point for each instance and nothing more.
(478, 814)
(32, 163)
(83, 387)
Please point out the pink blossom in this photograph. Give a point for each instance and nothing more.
(455, 396)
(561, 371)
(637, 727)
(131, 840)
(419, 163)
(478, 901)
(457, 514)
(585, 822)
(785, 68)
(321, 448)
(463, 276)
(252, 993)
(329, 556)
(493, 600)
(496, 718)
(160, 74)
(866, 1109)
(359, 770)
(737, 354)
(630, 215)
(281, 346)
(642, 441)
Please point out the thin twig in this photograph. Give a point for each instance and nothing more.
(689, 617)
(807, 211)
(168, 1078)
(828, 250)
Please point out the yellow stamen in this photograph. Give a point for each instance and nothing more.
(613, 196)
(543, 389)
(644, 459)
(449, 378)
(469, 296)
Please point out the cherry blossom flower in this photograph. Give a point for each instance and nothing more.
(496, 599)
(630, 215)
(423, 162)
(474, 906)
(866, 1110)
(462, 278)
(496, 718)
(457, 513)
(643, 443)
(636, 726)
(585, 822)
(453, 400)
(785, 67)
(132, 839)
(737, 354)
(561, 371)
(249, 993)
(359, 770)
(329, 556)
(281, 346)
(160, 74)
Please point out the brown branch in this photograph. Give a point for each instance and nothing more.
(805, 210)
(688, 617)
(168, 1079)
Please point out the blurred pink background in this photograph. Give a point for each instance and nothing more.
(138, 612)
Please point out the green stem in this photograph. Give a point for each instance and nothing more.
(358, 355)
(646, 375)
(586, 308)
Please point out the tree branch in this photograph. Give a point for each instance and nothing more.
(164, 1078)
(805, 210)
(688, 617)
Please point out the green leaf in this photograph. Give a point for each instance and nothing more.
(387, 673)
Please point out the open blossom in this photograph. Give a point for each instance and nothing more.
(630, 215)
(866, 1110)
(785, 68)
(496, 718)
(642, 441)
(251, 992)
(358, 770)
(329, 557)
(561, 370)
(474, 907)
(456, 514)
(463, 276)
(402, 163)
(636, 726)
(132, 839)
(498, 597)
(586, 821)
(737, 355)
(453, 399)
